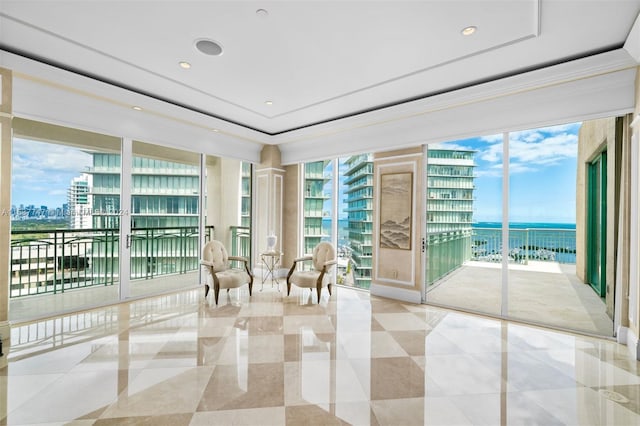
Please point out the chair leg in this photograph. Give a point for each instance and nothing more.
(319, 291)
(216, 291)
(329, 288)
(250, 287)
(288, 287)
(206, 290)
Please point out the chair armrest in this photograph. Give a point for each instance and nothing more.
(295, 262)
(206, 263)
(330, 262)
(246, 264)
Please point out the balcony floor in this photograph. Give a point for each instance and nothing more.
(547, 293)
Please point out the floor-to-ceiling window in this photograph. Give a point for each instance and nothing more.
(464, 223)
(64, 249)
(536, 262)
(543, 286)
(317, 204)
(78, 241)
(165, 192)
(228, 186)
(338, 207)
(356, 218)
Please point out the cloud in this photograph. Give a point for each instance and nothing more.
(450, 145)
(538, 147)
(551, 150)
(42, 172)
(491, 154)
(493, 171)
(491, 138)
(37, 159)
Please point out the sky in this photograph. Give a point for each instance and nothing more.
(542, 175)
(542, 167)
(42, 172)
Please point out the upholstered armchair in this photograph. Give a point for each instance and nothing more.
(216, 260)
(323, 258)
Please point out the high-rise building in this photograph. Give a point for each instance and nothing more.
(359, 193)
(314, 199)
(164, 212)
(450, 185)
(79, 202)
(245, 195)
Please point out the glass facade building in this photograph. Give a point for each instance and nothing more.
(164, 214)
(450, 186)
(358, 179)
(315, 196)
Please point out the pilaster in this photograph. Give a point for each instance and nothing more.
(269, 195)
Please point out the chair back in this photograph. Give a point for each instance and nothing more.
(215, 252)
(322, 253)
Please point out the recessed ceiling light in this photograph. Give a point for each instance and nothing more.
(467, 31)
(184, 64)
(137, 108)
(268, 102)
(209, 47)
(262, 13)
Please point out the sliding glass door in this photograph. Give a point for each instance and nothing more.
(517, 226)
(463, 224)
(65, 228)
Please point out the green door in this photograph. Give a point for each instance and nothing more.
(597, 224)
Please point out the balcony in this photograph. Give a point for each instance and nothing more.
(465, 270)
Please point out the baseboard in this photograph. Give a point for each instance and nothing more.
(405, 295)
(627, 337)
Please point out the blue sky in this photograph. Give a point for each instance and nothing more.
(542, 175)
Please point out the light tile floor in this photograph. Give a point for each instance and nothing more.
(178, 359)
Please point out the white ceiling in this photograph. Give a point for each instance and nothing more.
(315, 60)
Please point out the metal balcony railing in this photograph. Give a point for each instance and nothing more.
(447, 251)
(54, 261)
(544, 244)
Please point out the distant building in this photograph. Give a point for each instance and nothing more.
(359, 200)
(314, 199)
(450, 186)
(79, 203)
(164, 194)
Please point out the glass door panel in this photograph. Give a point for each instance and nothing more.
(543, 283)
(65, 214)
(356, 220)
(228, 184)
(463, 224)
(596, 224)
(165, 240)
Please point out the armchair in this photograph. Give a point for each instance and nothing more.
(216, 260)
(323, 258)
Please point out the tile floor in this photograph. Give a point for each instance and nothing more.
(352, 359)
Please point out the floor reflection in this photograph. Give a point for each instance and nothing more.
(271, 359)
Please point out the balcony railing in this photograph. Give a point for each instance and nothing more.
(447, 251)
(241, 242)
(544, 244)
(54, 261)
